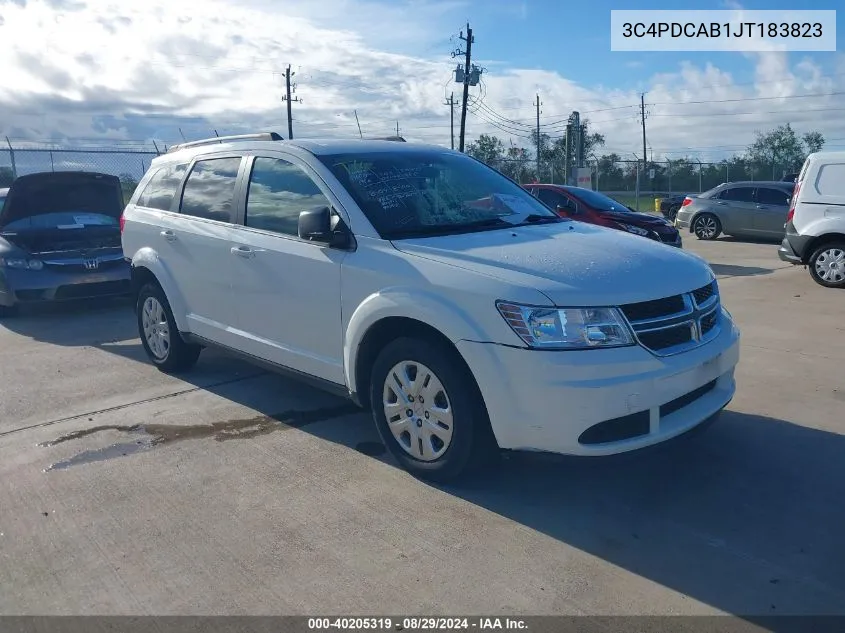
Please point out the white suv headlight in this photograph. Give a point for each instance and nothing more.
(566, 328)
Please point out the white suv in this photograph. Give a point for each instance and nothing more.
(423, 284)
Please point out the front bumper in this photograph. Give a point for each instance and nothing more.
(39, 286)
(601, 402)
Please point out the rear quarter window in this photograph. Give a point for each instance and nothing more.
(831, 180)
(162, 188)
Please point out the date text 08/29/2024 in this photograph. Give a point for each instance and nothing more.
(417, 623)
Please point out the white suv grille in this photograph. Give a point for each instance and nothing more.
(678, 323)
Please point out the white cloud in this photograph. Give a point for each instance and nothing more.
(117, 69)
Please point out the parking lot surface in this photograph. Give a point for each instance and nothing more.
(234, 491)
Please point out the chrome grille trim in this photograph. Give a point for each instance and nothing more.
(695, 313)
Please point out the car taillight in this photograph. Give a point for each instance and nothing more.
(686, 202)
(122, 222)
(792, 202)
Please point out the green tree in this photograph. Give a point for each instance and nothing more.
(488, 149)
(516, 164)
(813, 141)
(782, 148)
(128, 184)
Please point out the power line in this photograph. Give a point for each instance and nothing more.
(739, 99)
(709, 114)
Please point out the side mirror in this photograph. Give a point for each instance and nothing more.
(322, 227)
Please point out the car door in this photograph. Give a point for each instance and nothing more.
(288, 289)
(771, 209)
(735, 207)
(194, 245)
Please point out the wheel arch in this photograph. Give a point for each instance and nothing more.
(146, 267)
(387, 329)
(818, 242)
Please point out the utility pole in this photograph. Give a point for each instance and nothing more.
(287, 97)
(642, 118)
(361, 134)
(469, 40)
(12, 155)
(577, 146)
(397, 128)
(451, 103)
(539, 147)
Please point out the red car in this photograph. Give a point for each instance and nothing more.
(593, 207)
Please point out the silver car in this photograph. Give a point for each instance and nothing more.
(752, 209)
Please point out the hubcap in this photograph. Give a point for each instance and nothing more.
(155, 328)
(830, 265)
(418, 410)
(706, 227)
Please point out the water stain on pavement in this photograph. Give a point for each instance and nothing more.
(152, 435)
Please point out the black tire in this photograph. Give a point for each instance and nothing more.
(821, 259)
(706, 226)
(472, 445)
(179, 356)
(673, 212)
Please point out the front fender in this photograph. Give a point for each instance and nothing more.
(148, 258)
(432, 309)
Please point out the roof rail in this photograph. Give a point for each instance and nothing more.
(262, 136)
(398, 139)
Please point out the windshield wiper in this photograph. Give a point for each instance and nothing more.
(445, 229)
(531, 218)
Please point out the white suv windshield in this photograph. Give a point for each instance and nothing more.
(420, 193)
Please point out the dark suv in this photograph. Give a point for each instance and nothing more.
(592, 207)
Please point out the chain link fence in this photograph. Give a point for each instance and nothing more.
(656, 177)
(618, 178)
(129, 164)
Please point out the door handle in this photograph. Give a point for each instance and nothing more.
(169, 235)
(720, 202)
(762, 206)
(242, 251)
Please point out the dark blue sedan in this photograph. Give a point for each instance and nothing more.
(60, 239)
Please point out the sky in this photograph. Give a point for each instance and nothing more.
(79, 72)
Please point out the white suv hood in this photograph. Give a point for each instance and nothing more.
(572, 263)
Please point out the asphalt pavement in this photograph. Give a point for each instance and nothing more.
(235, 491)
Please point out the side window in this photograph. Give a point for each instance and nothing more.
(777, 197)
(553, 199)
(278, 192)
(210, 189)
(162, 187)
(738, 194)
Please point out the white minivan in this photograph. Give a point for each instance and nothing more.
(815, 225)
(428, 287)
